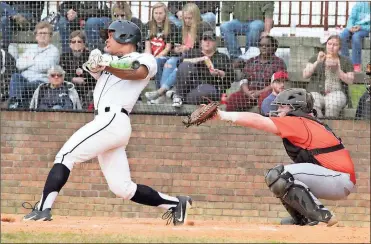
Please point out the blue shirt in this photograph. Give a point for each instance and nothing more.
(266, 104)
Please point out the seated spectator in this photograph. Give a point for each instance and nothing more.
(175, 12)
(18, 15)
(57, 93)
(97, 15)
(69, 21)
(203, 72)
(122, 11)
(278, 84)
(192, 30)
(364, 104)
(250, 19)
(33, 65)
(256, 78)
(208, 11)
(358, 27)
(72, 63)
(330, 74)
(7, 68)
(160, 39)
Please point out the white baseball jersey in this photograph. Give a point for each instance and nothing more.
(108, 134)
(111, 90)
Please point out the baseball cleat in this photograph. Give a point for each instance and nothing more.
(291, 221)
(36, 214)
(332, 221)
(179, 213)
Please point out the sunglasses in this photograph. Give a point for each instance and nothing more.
(119, 15)
(43, 33)
(73, 42)
(207, 39)
(56, 75)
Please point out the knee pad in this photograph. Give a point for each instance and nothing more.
(279, 182)
(125, 190)
(300, 199)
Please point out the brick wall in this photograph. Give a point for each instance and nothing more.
(221, 166)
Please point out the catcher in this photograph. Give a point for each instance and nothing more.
(322, 167)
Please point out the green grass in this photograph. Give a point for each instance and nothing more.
(27, 237)
(356, 91)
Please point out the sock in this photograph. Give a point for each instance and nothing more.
(57, 178)
(147, 196)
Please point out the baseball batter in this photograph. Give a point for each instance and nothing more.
(108, 134)
(322, 166)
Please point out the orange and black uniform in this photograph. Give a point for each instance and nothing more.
(308, 134)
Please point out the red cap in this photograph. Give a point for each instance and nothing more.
(279, 75)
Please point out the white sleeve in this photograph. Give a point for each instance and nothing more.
(149, 61)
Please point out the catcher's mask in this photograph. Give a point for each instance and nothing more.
(124, 32)
(297, 98)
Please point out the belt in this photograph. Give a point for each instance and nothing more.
(107, 109)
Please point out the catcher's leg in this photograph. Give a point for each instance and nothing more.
(302, 205)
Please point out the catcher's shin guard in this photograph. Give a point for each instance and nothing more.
(297, 218)
(299, 198)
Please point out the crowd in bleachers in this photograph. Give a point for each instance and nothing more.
(181, 35)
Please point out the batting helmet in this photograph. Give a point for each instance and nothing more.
(124, 32)
(297, 98)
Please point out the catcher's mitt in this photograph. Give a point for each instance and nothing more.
(202, 114)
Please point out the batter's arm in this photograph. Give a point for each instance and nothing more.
(247, 119)
(129, 74)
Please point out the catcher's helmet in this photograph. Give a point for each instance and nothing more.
(124, 32)
(297, 98)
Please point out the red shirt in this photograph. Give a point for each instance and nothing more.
(309, 134)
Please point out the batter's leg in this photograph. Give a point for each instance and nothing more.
(115, 167)
(83, 145)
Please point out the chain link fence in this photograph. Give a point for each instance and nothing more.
(241, 54)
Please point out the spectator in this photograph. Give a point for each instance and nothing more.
(278, 85)
(175, 12)
(364, 104)
(257, 73)
(18, 15)
(97, 15)
(250, 19)
(57, 94)
(203, 72)
(122, 11)
(192, 31)
(34, 64)
(208, 11)
(330, 74)
(161, 36)
(7, 68)
(72, 63)
(358, 27)
(69, 21)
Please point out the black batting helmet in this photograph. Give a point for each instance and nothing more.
(124, 32)
(297, 98)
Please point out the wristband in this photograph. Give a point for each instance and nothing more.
(228, 116)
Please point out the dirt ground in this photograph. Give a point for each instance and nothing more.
(238, 232)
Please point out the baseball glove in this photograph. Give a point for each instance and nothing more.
(202, 114)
